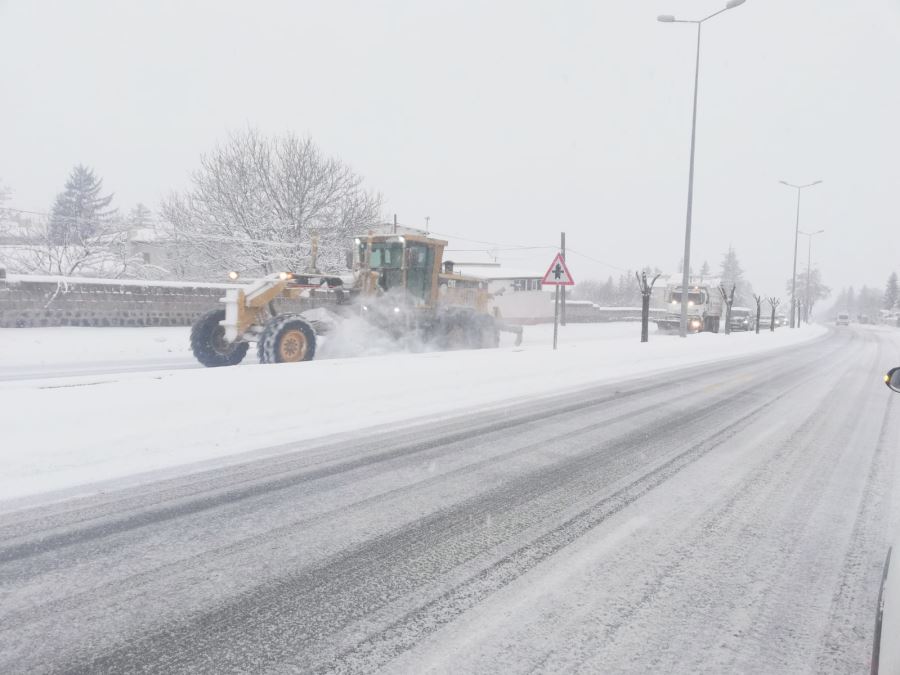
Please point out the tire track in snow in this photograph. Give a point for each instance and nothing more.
(389, 555)
(371, 580)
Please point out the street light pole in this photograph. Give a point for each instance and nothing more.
(808, 268)
(686, 265)
(796, 238)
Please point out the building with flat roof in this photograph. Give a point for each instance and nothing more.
(517, 293)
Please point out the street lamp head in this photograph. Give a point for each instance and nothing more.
(816, 183)
(784, 182)
(734, 3)
(665, 18)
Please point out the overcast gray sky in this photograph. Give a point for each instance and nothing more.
(502, 121)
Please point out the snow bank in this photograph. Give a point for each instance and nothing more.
(66, 432)
(50, 347)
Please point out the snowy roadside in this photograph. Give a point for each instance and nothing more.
(66, 432)
(52, 352)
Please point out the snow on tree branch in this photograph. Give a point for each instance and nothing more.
(256, 202)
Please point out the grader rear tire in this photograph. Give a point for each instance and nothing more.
(485, 334)
(209, 345)
(286, 339)
(464, 329)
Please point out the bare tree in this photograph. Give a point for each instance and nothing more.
(815, 291)
(729, 301)
(758, 299)
(5, 192)
(256, 203)
(99, 248)
(646, 290)
(773, 302)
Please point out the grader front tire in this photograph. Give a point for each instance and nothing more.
(286, 339)
(209, 345)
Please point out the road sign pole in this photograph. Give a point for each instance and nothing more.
(557, 275)
(556, 318)
(562, 294)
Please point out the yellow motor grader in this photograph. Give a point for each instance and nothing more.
(396, 285)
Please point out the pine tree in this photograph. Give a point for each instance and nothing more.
(623, 291)
(891, 292)
(79, 210)
(732, 274)
(868, 302)
(731, 271)
(705, 271)
(140, 217)
(609, 293)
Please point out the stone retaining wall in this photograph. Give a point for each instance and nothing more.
(42, 301)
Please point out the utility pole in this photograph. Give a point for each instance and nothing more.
(794, 275)
(808, 270)
(685, 276)
(562, 309)
(798, 188)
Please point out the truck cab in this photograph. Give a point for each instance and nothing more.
(704, 307)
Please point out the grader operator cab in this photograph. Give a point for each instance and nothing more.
(396, 285)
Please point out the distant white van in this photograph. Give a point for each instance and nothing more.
(842, 320)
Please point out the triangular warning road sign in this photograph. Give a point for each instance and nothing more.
(558, 274)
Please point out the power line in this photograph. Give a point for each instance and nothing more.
(491, 243)
(495, 245)
(514, 247)
(492, 250)
(600, 262)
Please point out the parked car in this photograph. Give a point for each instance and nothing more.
(742, 318)
(842, 319)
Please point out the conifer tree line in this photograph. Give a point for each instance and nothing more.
(868, 301)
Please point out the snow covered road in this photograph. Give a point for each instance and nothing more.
(732, 518)
(129, 415)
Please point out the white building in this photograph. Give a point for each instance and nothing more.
(517, 292)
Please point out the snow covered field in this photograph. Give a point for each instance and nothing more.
(64, 432)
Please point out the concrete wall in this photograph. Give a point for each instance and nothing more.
(34, 301)
(71, 302)
(27, 302)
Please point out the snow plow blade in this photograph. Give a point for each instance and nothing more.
(668, 326)
(509, 328)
